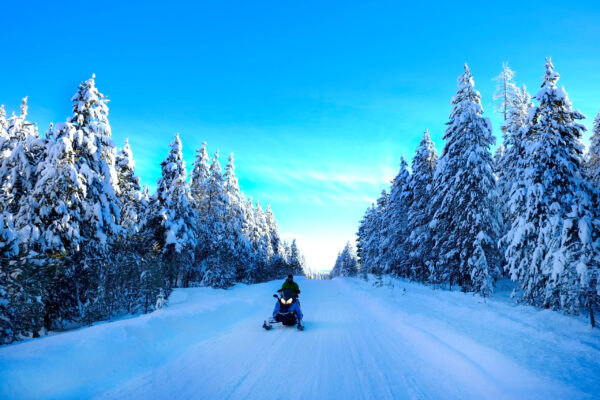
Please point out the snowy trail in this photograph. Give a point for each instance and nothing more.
(360, 342)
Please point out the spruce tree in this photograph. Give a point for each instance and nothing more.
(504, 89)
(218, 268)
(364, 227)
(424, 164)
(173, 218)
(264, 247)
(296, 260)
(95, 155)
(507, 165)
(145, 202)
(240, 247)
(346, 263)
(21, 308)
(21, 151)
(199, 175)
(3, 126)
(592, 162)
(498, 155)
(129, 193)
(58, 211)
(251, 229)
(273, 230)
(59, 199)
(465, 219)
(551, 251)
(369, 236)
(393, 246)
(89, 133)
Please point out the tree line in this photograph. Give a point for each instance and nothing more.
(81, 240)
(467, 218)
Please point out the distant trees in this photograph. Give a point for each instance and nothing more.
(346, 263)
(530, 212)
(81, 240)
(295, 260)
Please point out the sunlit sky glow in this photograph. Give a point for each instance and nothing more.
(318, 100)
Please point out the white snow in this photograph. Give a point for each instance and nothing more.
(406, 341)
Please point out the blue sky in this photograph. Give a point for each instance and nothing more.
(318, 100)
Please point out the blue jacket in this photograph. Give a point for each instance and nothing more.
(295, 307)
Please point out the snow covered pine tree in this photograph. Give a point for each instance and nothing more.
(173, 217)
(394, 234)
(465, 221)
(592, 162)
(419, 243)
(551, 252)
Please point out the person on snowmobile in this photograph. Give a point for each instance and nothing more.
(287, 308)
(289, 284)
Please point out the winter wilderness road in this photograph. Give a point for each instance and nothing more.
(360, 342)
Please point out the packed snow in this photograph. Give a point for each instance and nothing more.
(400, 340)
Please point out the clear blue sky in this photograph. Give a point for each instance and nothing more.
(318, 100)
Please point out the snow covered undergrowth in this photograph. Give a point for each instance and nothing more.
(360, 342)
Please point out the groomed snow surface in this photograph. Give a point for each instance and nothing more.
(360, 342)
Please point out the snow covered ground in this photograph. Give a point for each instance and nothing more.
(360, 342)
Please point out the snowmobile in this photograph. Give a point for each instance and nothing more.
(287, 311)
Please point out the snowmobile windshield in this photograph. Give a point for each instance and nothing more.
(288, 294)
(287, 298)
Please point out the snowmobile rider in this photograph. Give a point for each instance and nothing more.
(289, 284)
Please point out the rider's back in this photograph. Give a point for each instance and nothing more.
(292, 286)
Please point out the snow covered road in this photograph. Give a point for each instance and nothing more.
(360, 342)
